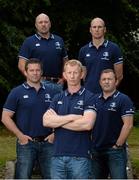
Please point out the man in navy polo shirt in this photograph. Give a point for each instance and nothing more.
(28, 102)
(113, 124)
(47, 47)
(100, 54)
(72, 114)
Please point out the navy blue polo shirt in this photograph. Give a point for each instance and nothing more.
(97, 60)
(50, 51)
(29, 107)
(109, 122)
(69, 142)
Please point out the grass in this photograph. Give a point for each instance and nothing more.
(7, 149)
(133, 142)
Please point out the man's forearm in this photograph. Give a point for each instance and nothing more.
(84, 123)
(55, 121)
(123, 135)
(125, 131)
(78, 125)
(10, 125)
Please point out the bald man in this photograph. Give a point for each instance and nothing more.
(100, 54)
(47, 47)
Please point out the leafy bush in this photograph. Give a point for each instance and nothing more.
(136, 118)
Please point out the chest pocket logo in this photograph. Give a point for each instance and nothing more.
(58, 46)
(105, 56)
(112, 106)
(47, 98)
(79, 105)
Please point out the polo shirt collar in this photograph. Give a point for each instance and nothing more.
(80, 92)
(27, 86)
(38, 36)
(114, 95)
(105, 43)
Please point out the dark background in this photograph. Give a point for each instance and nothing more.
(71, 20)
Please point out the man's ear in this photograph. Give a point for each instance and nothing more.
(35, 26)
(25, 73)
(105, 30)
(90, 30)
(82, 74)
(99, 82)
(64, 75)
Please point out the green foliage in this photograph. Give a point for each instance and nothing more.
(70, 19)
(134, 149)
(7, 148)
(136, 119)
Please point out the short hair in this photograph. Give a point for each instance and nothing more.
(73, 62)
(98, 18)
(33, 61)
(40, 15)
(108, 71)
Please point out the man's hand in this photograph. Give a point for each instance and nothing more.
(51, 112)
(50, 138)
(23, 139)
